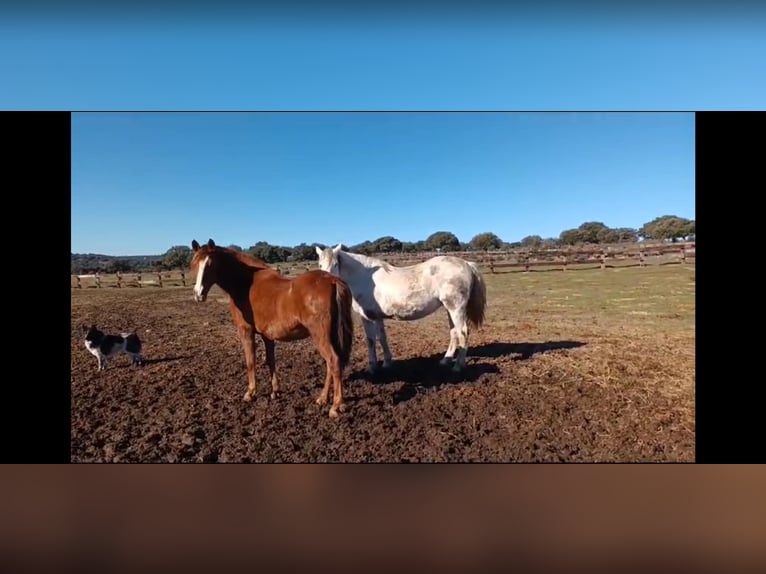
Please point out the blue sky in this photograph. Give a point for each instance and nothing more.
(142, 182)
(438, 59)
(484, 58)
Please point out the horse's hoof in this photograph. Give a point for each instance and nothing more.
(333, 413)
(388, 365)
(342, 407)
(274, 394)
(457, 368)
(445, 361)
(321, 401)
(247, 398)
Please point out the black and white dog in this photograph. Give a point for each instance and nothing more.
(104, 346)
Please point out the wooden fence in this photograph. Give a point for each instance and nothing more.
(603, 259)
(494, 262)
(178, 278)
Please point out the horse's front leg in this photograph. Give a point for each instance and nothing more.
(247, 338)
(271, 362)
(370, 333)
(381, 328)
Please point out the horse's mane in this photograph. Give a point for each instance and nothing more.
(249, 260)
(242, 257)
(368, 261)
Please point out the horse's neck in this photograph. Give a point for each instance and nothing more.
(354, 266)
(238, 277)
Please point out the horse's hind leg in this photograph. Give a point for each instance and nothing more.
(370, 333)
(323, 396)
(271, 363)
(381, 328)
(322, 338)
(453, 338)
(333, 374)
(459, 332)
(338, 406)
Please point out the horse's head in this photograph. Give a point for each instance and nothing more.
(203, 265)
(328, 259)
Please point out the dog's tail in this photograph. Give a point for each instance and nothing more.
(133, 337)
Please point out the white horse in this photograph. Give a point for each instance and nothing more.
(383, 291)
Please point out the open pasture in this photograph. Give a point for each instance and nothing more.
(588, 365)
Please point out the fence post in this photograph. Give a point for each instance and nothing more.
(566, 263)
(183, 278)
(491, 266)
(641, 262)
(526, 263)
(159, 279)
(603, 260)
(683, 255)
(98, 280)
(119, 281)
(138, 279)
(79, 285)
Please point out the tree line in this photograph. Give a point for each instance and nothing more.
(664, 228)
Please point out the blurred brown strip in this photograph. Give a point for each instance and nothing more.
(453, 517)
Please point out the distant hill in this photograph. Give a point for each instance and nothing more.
(83, 263)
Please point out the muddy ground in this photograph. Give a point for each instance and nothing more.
(540, 386)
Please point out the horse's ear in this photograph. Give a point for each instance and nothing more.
(195, 245)
(337, 248)
(210, 243)
(319, 251)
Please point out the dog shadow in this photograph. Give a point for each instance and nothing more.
(165, 359)
(424, 373)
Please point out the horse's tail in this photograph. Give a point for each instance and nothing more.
(342, 331)
(477, 300)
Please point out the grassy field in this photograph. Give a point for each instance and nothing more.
(640, 323)
(593, 365)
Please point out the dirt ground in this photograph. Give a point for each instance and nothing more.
(570, 366)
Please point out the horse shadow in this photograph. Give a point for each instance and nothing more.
(425, 373)
(524, 350)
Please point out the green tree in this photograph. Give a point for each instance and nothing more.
(365, 248)
(590, 230)
(667, 227)
(689, 230)
(626, 235)
(443, 241)
(607, 235)
(177, 257)
(119, 266)
(304, 252)
(532, 241)
(235, 247)
(386, 244)
(570, 237)
(485, 242)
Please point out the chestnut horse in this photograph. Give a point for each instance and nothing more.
(314, 304)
